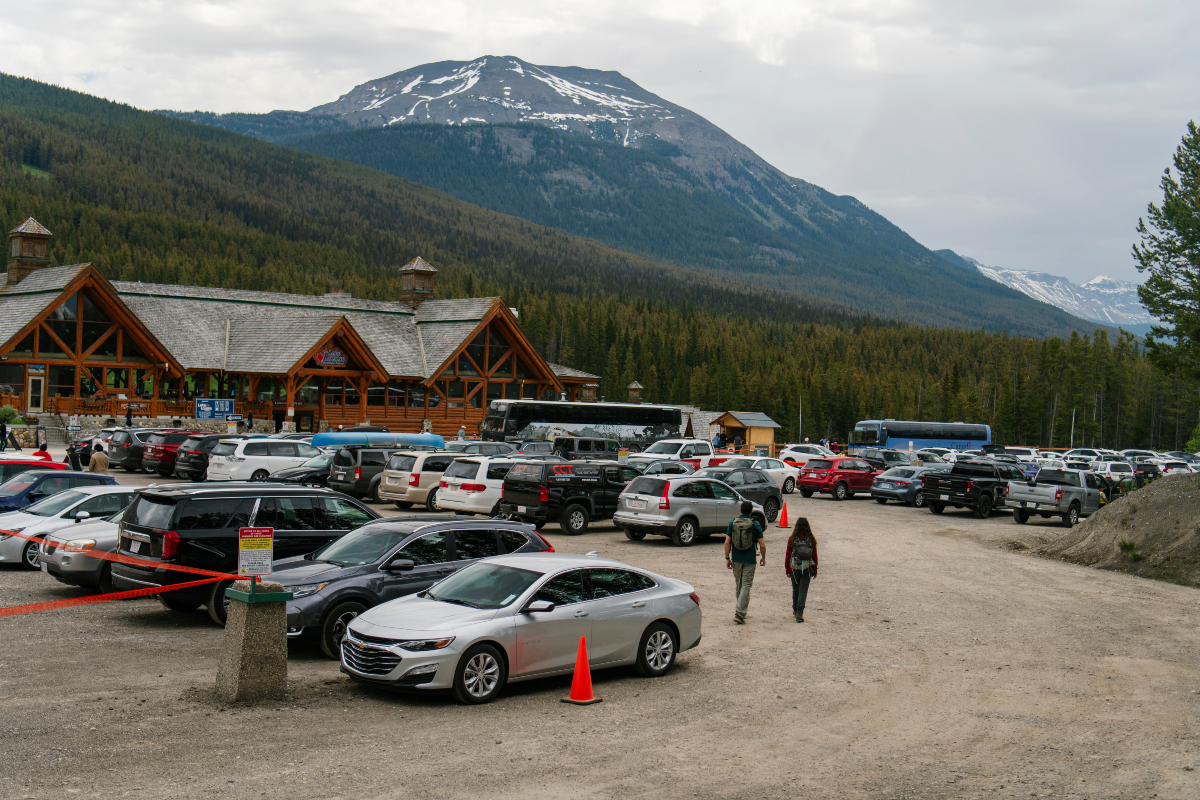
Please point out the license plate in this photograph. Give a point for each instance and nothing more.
(885, 486)
(521, 509)
(944, 497)
(637, 503)
(135, 547)
(341, 476)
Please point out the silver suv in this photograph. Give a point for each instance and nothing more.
(684, 508)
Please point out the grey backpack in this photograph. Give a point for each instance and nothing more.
(802, 550)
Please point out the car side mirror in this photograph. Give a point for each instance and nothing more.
(37, 495)
(538, 607)
(400, 565)
(81, 516)
(1032, 482)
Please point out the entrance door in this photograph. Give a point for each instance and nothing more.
(36, 392)
(304, 421)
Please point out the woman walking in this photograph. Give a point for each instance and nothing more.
(800, 564)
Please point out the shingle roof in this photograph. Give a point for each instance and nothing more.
(340, 302)
(472, 308)
(442, 339)
(751, 419)
(31, 225)
(569, 372)
(395, 341)
(22, 303)
(289, 337)
(418, 264)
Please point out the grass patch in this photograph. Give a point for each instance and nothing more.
(1130, 549)
(40, 173)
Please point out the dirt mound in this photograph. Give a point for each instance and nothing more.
(1153, 532)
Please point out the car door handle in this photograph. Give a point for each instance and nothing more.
(639, 604)
(581, 613)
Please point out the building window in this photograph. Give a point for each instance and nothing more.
(63, 321)
(24, 349)
(308, 394)
(333, 392)
(351, 394)
(395, 393)
(62, 381)
(416, 395)
(377, 394)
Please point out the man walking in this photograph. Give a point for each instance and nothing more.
(99, 461)
(741, 536)
(3, 435)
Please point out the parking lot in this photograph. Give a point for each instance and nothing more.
(936, 661)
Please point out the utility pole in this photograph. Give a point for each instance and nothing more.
(1072, 429)
(800, 422)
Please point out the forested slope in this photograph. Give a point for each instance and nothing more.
(145, 197)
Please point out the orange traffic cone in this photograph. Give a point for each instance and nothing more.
(783, 523)
(581, 684)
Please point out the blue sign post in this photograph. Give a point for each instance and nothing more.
(213, 408)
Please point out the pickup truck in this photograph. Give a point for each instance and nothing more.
(1064, 493)
(978, 484)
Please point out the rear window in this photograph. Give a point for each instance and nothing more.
(898, 472)
(644, 485)
(1058, 477)
(402, 463)
(373, 457)
(819, 463)
(224, 449)
(175, 438)
(150, 512)
(156, 438)
(1121, 468)
(344, 458)
(461, 469)
(190, 443)
(974, 470)
(120, 437)
(526, 472)
(216, 514)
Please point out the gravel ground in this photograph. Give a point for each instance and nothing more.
(936, 662)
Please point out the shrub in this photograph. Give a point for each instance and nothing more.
(8, 414)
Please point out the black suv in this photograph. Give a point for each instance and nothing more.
(197, 526)
(191, 461)
(574, 494)
(573, 447)
(883, 459)
(356, 471)
(385, 560)
(126, 448)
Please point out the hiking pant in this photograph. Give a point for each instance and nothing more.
(799, 591)
(743, 579)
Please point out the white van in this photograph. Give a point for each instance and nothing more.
(255, 459)
(473, 485)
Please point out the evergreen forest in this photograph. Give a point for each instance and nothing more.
(146, 197)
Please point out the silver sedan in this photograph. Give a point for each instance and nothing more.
(518, 617)
(55, 514)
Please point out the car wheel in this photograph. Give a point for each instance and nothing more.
(771, 508)
(881, 500)
(128, 468)
(177, 603)
(634, 536)
(574, 520)
(918, 500)
(431, 503)
(166, 473)
(403, 504)
(806, 492)
(937, 508)
(218, 603)
(1021, 516)
(983, 507)
(789, 486)
(29, 557)
(685, 532)
(563, 454)
(105, 584)
(260, 475)
(199, 477)
(541, 523)
(841, 491)
(1071, 518)
(657, 650)
(335, 624)
(479, 676)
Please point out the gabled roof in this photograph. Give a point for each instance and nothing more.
(748, 419)
(274, 344)
(21, 304)
(343, 302)
(418, 264)
(31, 225)
(569, 372)
(469, 310)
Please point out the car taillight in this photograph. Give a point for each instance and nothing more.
(170, 544)
(545, 541)
(970, 486)
(904, 483)
(695, 598)
(193, 452)
(474, 487)
(414, 479)
(664, 502)
(443, 485)
(358, 473)
(1057, 495)
(544, 494)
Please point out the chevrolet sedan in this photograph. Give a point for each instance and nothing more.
(520, 617)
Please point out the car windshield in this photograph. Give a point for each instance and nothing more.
(664, 448)
(898, 472)
(363, 546)
(55, 504)
(719, 474)
(15, 485)
(484, 585)
(739, 463)
(319, 462)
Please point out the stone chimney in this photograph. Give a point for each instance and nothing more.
(30, 250)
(416, 282)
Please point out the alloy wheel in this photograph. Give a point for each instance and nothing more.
(575, 521)
(481, 675)
(341, 623)
(31, 556)
(660, 649)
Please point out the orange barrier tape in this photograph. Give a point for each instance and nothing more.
(120, 559)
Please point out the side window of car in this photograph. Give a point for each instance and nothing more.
(513, 541)
(496, 472)
(761, 477)
(722, 492)
(687, 452)
(736, 478)
(428, 549)
(1092, 481)
(628, 474)
(82, 483)
(55, 484)
(216, 514)
(612, 474)
(583, 446)
(612, 582)
(703, 449)
(376, 458)
(337, 514)
(692, 490)
(255, 449)
(286, 449)
(564, 589)
(475, 544)
(436, 463)
(287, 514)
(104, 505)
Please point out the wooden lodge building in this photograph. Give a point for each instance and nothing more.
(75, 342)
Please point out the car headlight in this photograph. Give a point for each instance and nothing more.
(422, 645)
(10, 531)
(307, 589)
(81, 544)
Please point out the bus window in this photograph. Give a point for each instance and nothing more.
(865, 433)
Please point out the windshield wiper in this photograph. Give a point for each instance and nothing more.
(456, 602)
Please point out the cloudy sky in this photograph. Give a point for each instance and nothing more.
(1028, 135)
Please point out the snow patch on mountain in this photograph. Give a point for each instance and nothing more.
(1102, 299)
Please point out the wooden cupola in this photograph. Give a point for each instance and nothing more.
(29, 251)
(416, 281)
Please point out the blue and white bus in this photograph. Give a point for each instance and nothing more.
(904, 435)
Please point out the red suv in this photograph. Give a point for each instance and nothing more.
(161, 449)
(840, 477)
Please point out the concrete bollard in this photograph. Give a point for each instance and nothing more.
(253, 662)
